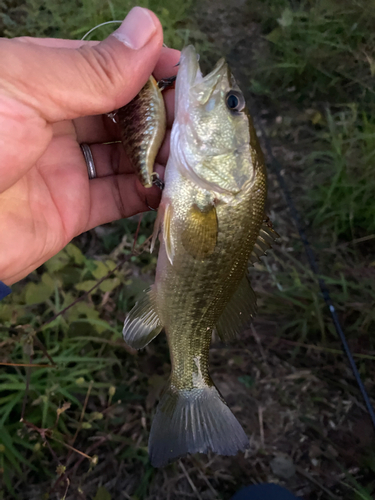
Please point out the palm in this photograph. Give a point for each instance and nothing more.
(54, 200)
(46, 197)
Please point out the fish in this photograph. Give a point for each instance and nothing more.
(210, 223)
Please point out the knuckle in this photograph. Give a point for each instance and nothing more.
(103, 67)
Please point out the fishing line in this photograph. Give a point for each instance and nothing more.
(111, 22)
(276, 168)
(99, 26)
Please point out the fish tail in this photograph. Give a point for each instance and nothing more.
(193, 421)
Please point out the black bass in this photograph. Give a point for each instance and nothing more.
(211, 224)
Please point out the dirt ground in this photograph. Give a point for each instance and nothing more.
(308, 428)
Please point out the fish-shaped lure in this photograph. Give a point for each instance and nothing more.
(211, 223)
(142, 123)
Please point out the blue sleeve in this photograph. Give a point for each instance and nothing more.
(4, 290)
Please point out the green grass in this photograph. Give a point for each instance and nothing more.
(319, 50)
(320, 59)
(342, 166)
(66, 19)
(316, 63)
(85, 343)
(316, 70)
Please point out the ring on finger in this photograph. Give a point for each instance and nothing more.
(86, 150)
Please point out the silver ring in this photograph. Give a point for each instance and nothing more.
(89, 160)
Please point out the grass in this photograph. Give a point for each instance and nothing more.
(312, 71)
(63, 19)
(94, 381)
(343, 168)
(319, 50)
(310, 66)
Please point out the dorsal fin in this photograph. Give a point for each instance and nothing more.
(264, 242)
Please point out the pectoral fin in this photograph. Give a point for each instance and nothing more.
(199, 238)
(163, 222)
(167, 233)
(142, 323)
(264, 242)
(240, 310)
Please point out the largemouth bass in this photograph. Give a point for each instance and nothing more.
(211, 223)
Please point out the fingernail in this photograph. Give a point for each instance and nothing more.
(136, 29)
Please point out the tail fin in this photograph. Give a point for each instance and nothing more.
(193, 421)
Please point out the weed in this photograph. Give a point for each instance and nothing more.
(319, 50)
(342, 168)
(62, 19)
(317, 61)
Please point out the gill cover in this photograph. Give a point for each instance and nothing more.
(210, 141)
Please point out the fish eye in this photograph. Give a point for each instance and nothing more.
(235, 101)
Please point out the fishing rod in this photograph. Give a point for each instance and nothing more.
(276, 168)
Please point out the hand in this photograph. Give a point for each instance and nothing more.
(53, 94)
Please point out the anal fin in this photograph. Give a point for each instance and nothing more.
(142, 323)
(239, 311)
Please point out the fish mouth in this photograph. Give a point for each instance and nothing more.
(191, 82)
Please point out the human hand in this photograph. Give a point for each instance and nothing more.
(53, 96)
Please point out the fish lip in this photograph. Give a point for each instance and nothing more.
(192, 73)
(219, 68)
(189, 64)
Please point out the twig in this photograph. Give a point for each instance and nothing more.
(25, 365)
(41, 346)
(43, 433)
(190, 481)
(257, 340)
(78, 463)
(72, 449)
(212, 489)
(125, 259)
(24, 402)
(126, 495)
(89, 450)
(356, 241)
(67, 487)
(137, 232)
(261, 426)
(313, 480)
(81, 417)
(86, 400)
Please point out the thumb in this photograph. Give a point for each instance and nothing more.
(64, 83)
